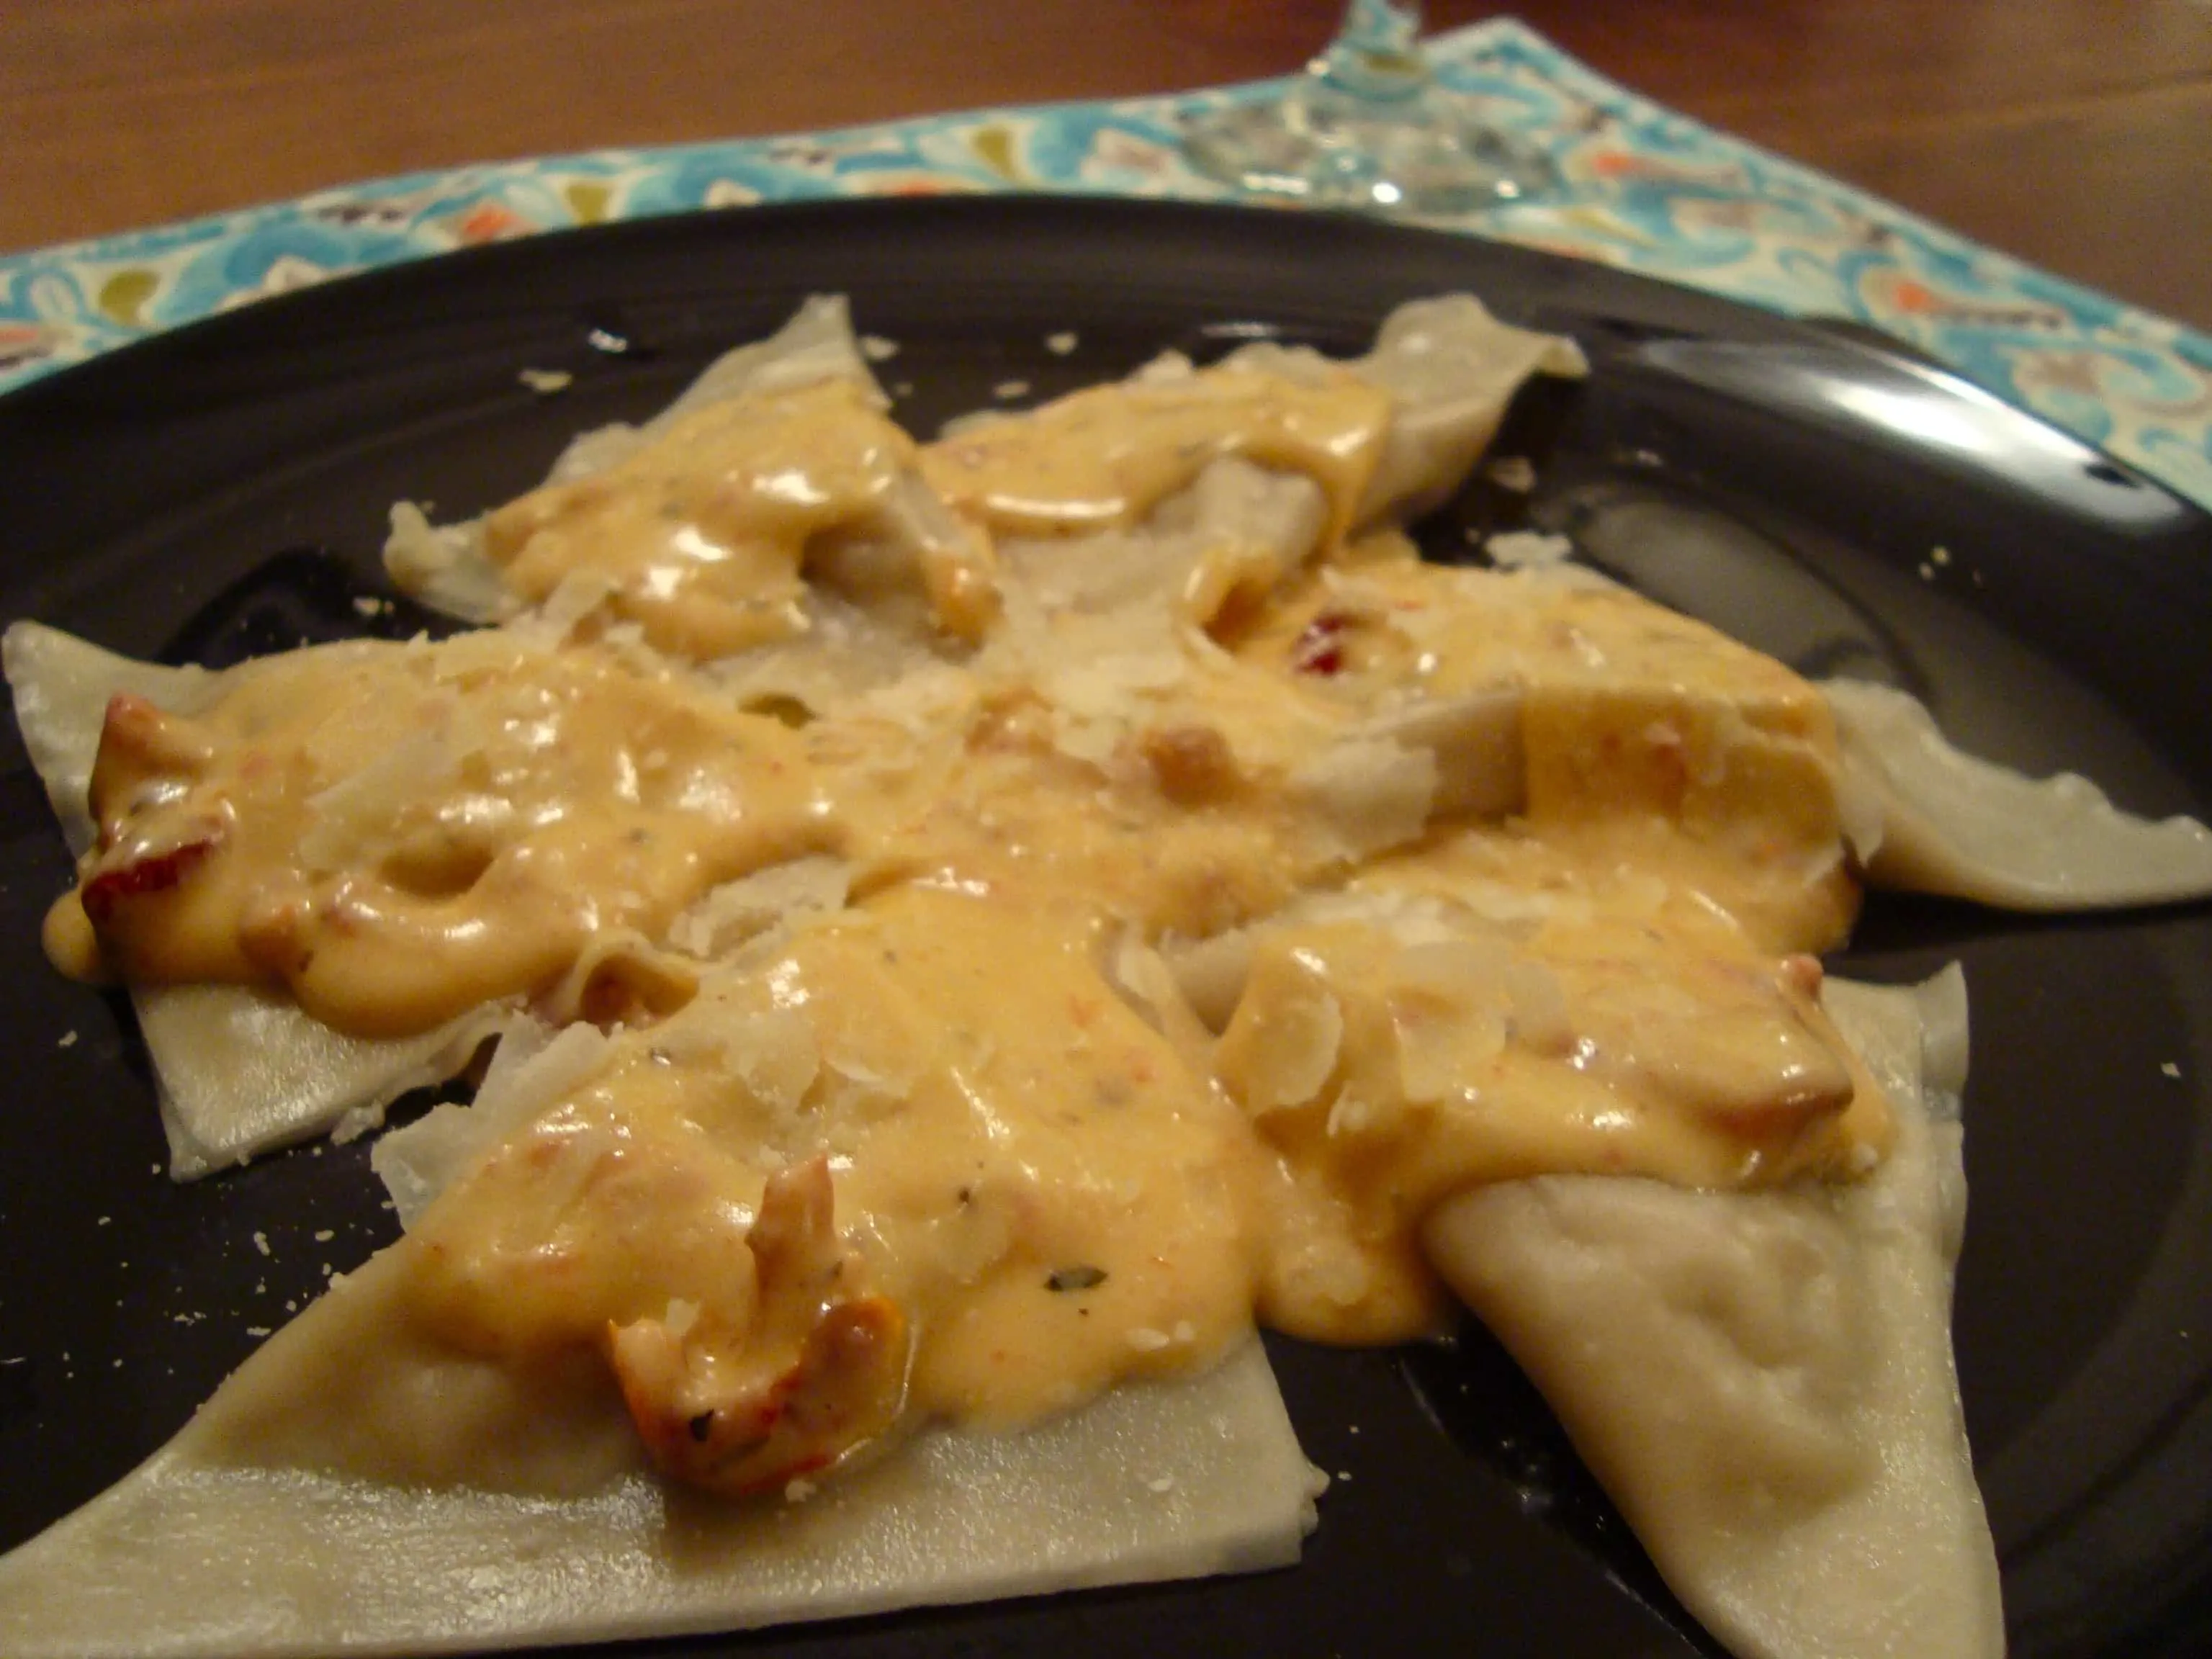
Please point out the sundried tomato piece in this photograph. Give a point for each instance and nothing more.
(155, 873)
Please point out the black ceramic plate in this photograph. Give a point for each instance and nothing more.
(222, 490)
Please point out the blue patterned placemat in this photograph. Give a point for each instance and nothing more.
(1646, 189)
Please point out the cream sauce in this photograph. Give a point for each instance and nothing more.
(1022, 1165)
(1106, 457)
(701, 536)
(1647, 736)
(967, 1148)
(399, 833)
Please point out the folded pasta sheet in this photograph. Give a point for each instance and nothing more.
(1385, 435)
(214, 1549)
(238, 1069)
(1932, 819)
(1764, 1382)
(454, 1446)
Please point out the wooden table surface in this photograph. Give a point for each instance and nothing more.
(2075, 133)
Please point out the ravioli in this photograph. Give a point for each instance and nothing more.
(1940, 821)
(970, 929)
(216, 1548)
(238, 1070)
(1763, 1383)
